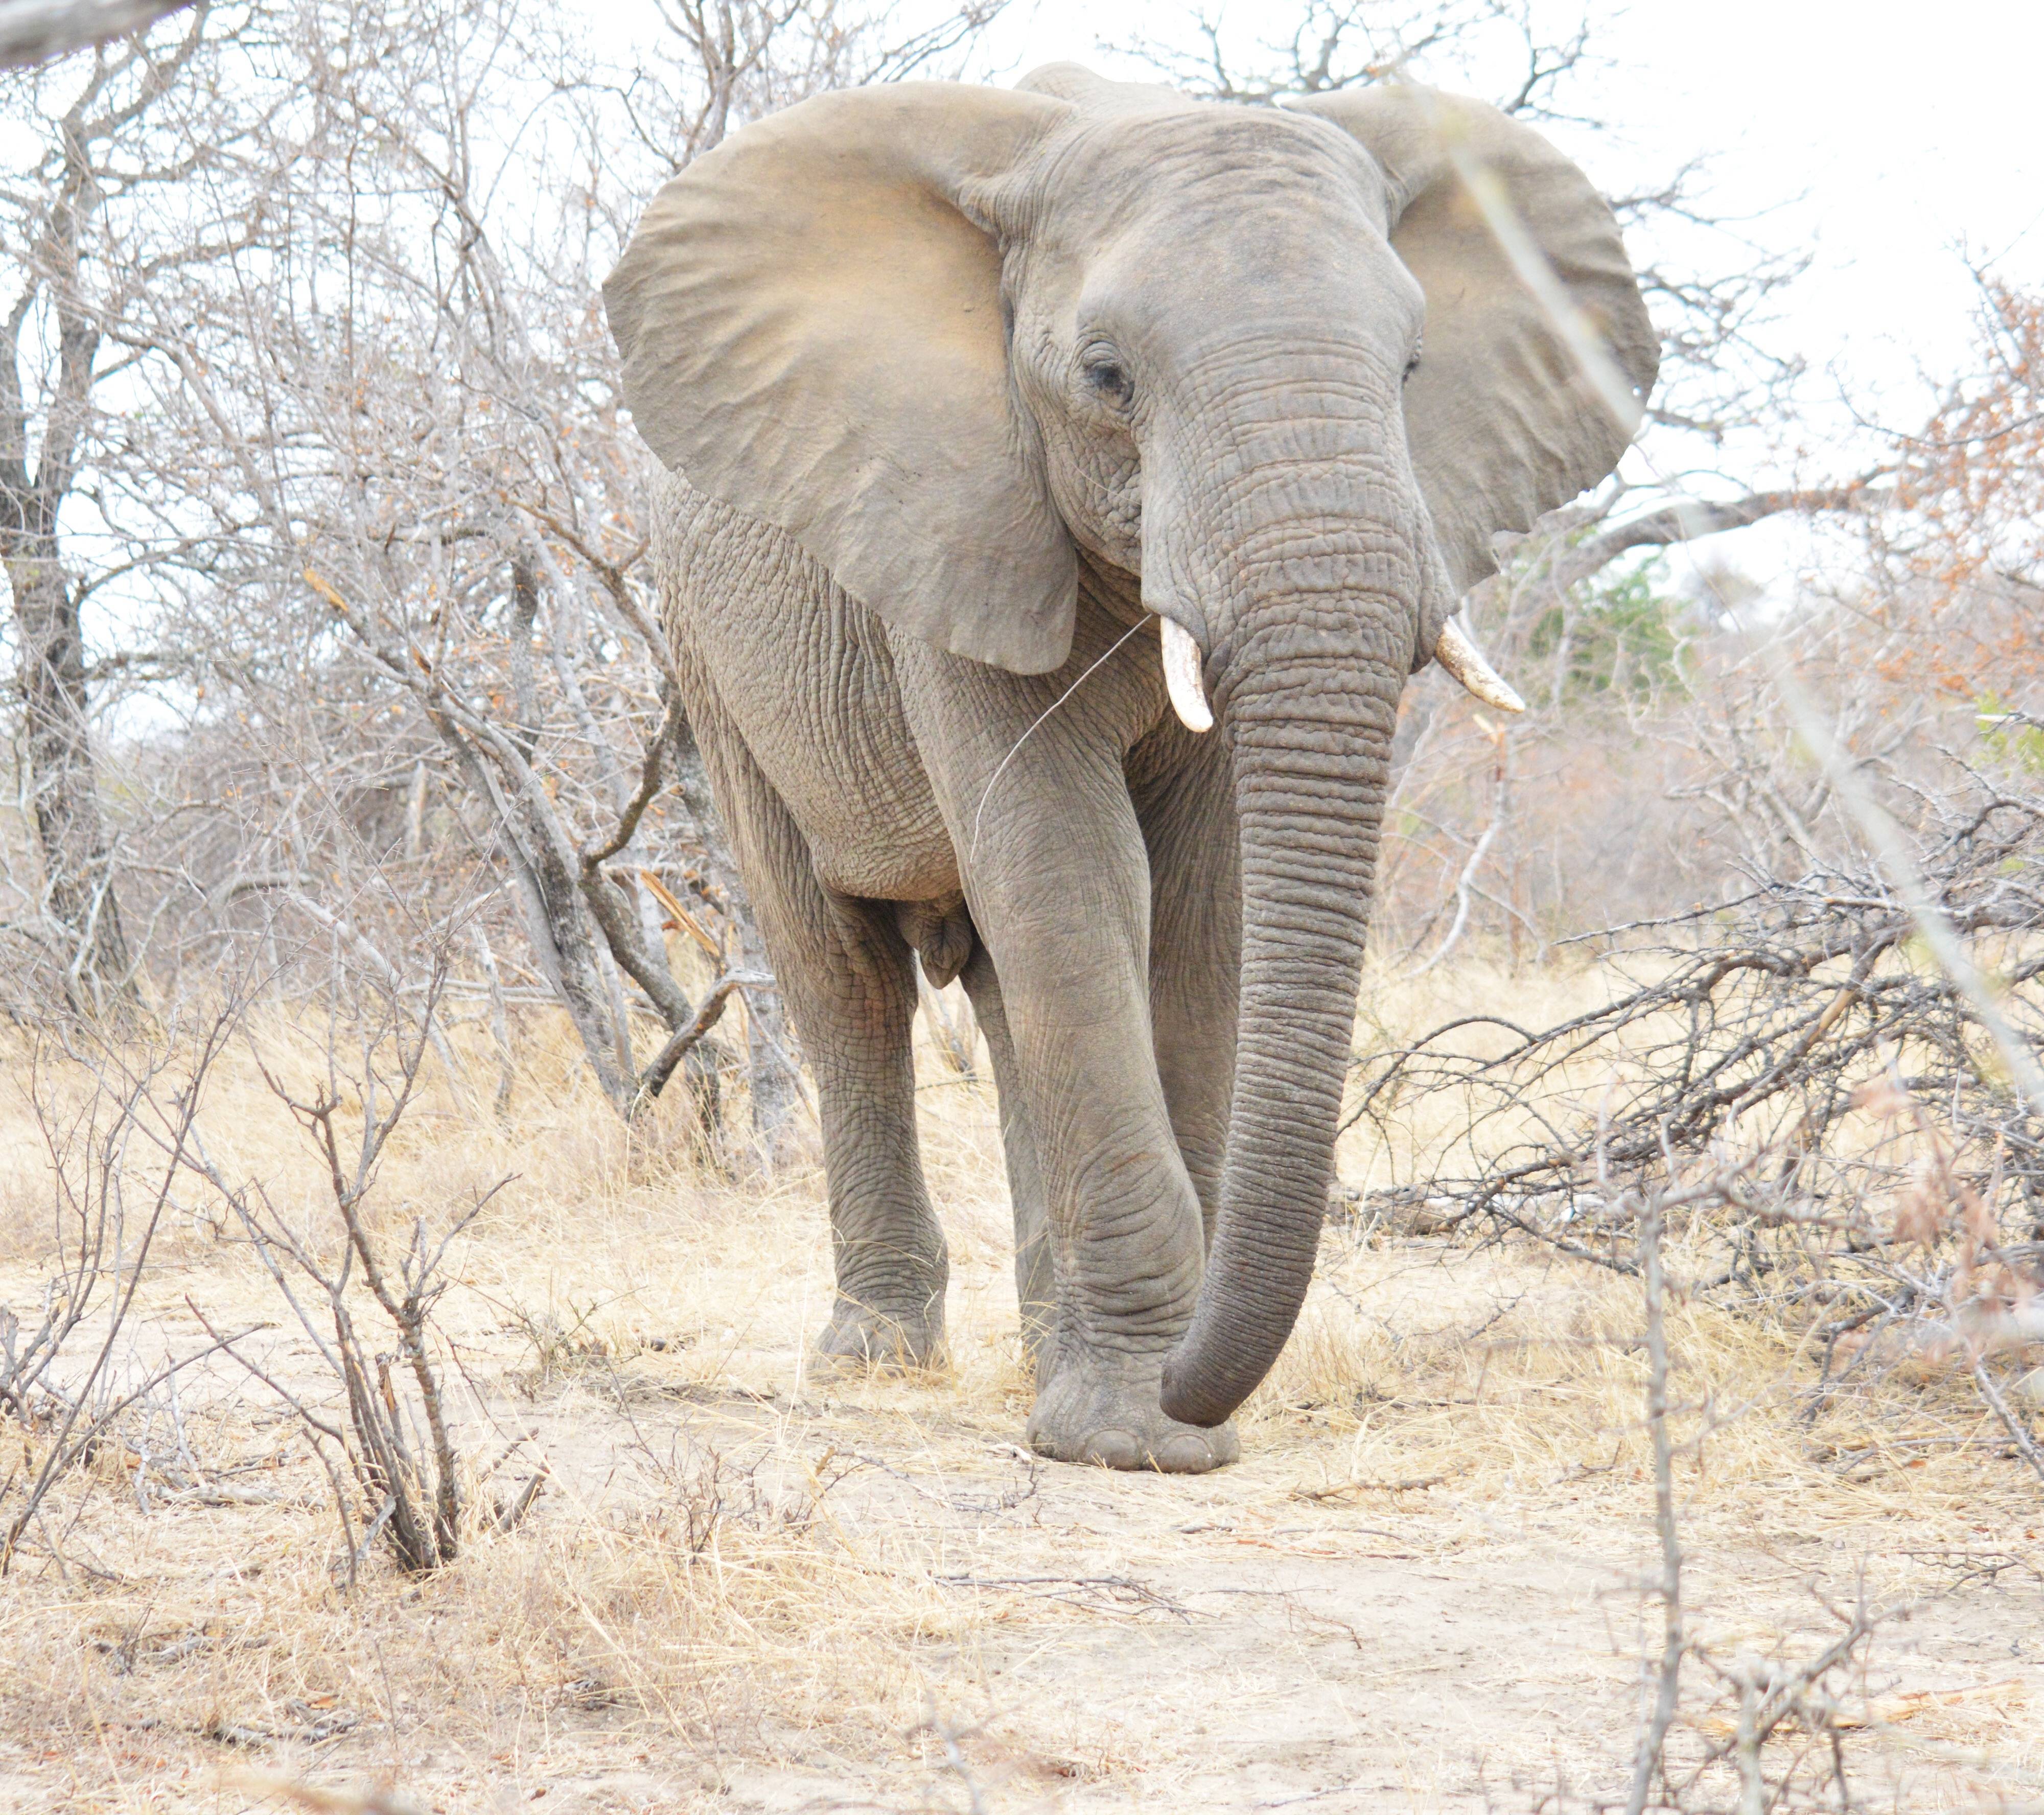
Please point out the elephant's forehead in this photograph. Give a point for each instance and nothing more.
(1155, 161)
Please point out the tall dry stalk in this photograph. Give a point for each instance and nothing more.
(1668, 1678)
(399, 1446)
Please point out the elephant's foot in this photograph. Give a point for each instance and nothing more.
(858, 1335)
(1113, 1420)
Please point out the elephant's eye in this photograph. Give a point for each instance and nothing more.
(1109, 378)
(1412, 364)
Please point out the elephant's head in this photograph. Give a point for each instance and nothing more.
(1273, 361)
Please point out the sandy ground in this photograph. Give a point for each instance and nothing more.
(746, 1586)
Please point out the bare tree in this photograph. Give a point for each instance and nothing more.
(460, 550)
(1331, 44)
(724, 62)
(113, 146)
(374, 528)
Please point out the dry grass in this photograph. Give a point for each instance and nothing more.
(746, 1586)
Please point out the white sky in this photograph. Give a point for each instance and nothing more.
(1893, 141)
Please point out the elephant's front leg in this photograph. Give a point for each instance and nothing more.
(1184, 789)
(1053, 867)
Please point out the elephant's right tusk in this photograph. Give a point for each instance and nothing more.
(1463, 659)
(1182, 677)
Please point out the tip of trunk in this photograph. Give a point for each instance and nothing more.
(1202, 1393)
(1235, 1338)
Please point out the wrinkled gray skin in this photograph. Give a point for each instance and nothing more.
(1161, 932)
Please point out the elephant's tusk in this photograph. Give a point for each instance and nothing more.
(1182, 677)
(1463, 659)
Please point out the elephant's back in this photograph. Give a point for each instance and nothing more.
(805, 675)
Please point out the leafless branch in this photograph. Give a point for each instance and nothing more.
(36, 31)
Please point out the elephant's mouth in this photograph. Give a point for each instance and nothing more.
(1185, 673)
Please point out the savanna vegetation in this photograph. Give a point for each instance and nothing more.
(411, 1222)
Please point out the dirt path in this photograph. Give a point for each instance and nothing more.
(1230, 1644)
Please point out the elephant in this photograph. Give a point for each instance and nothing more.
(1060, 484)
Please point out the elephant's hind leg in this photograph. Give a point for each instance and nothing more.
(859, 999)
(1035, 1277)
(847, 978)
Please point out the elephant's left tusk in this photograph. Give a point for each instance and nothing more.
(1464, 660)
(1183, 678)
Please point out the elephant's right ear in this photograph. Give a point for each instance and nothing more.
(812, 332)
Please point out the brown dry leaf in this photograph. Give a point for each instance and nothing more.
(1919, 1216)
(1979, 1219)
(1882, 1097)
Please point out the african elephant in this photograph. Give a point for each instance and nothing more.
(961, 389)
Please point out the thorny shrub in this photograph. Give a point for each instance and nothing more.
(1889, 1209)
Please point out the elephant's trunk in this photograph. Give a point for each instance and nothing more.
(1319, 634)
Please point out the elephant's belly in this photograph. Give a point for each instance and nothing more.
(806, 677)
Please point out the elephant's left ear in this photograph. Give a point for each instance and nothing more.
(1503, 424)
(810, 322)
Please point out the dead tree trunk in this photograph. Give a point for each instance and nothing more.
(77, 885)
(81, 914)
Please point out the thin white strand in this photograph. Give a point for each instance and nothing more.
(972, 849)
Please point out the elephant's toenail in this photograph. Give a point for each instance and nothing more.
(1185, 1454)
(1113, 1449)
